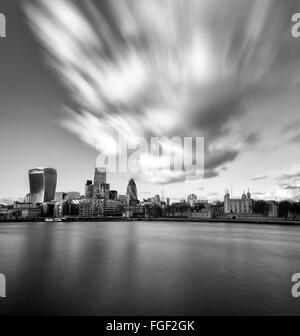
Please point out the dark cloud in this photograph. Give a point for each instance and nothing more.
(218, 158)
(210, 173)
(252, 138)
(292, 187)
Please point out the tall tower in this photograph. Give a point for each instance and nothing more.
(100, 176)
(132, 193)
(227, 207)
(42, 183)
(249, 203)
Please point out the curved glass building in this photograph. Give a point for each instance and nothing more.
(42, 183)
(132, 193)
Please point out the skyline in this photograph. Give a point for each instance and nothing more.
(249, 120)
(145, 195)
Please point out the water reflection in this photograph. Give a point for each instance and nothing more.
(140, 268)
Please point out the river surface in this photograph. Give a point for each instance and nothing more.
(149, 268)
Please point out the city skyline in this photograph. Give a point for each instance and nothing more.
(244, 148)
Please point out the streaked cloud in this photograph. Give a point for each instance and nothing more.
(171, 68)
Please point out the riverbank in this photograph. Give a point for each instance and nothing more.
(275, 221)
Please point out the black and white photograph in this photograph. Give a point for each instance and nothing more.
(149, 160)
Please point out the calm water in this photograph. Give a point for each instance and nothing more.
(140, 268)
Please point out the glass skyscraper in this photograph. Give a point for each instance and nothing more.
(100, 176)
(42, 183)
(132, 193)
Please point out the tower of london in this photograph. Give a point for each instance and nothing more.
(238, 205)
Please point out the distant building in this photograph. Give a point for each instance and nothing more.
(113, 194)
(241, 205)
(31, 213)
(60, 209)
(273, 209)
(123, 199)
(90, 208)
(72, 195)
(28, 198)
(59, 196)
(112, 207)
(192, 199)
(89, 189)
(132, 193)
(99, 176)
(42, 182)
(155, 200)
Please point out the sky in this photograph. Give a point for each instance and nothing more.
(74, 74)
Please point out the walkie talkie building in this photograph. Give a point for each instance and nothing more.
(42, 183)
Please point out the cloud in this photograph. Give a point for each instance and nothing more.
(259, 177)
(291, 126)
(217, 158)
(210, 173)
(252, 138)
(127, 71)
(295, 138)
(292, 187)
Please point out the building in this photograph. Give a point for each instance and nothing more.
(28, 198)
(241, 205)
(99, 176)
(113, 195)
(132, 193)
(90, 208)
(192, 199)
(273, 209)
(72, 195)
(88, 189)
(112, 207)
(59, 196)
(42, 183)
(155, 200)
(31, 213)
(123, 199)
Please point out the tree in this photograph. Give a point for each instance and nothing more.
(260, 207)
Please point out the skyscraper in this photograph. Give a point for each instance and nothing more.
(99, 177)
(132, 193)
(42, 183)
(89, 189)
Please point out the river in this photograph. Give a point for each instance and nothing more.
(149, 268)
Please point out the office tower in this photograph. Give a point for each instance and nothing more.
(104, 190)
(100, 176)
(89, 189)
(132, 193)
(113, 195)
(123, 199)
(28, 198)
(42, 183)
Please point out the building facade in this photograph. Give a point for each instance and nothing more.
(241, 205)
(42, 183)
(132, 193)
